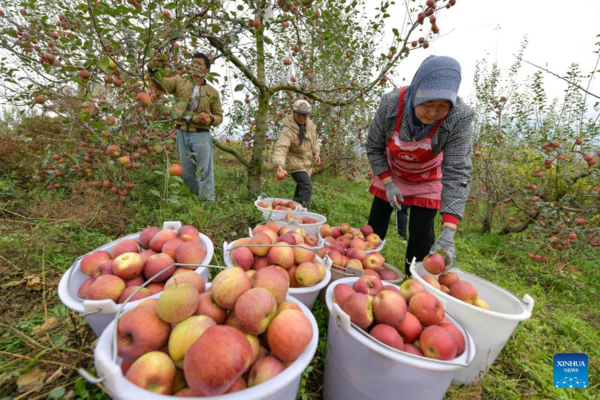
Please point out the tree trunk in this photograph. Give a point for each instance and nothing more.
(488, 221)
(256, 160)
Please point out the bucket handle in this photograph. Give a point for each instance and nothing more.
(343, 321)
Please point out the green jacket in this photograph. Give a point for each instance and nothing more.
(290, 153)
(182, 88)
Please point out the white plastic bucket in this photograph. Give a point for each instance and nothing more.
(490, 329)
(266, 212)
(359, 368)
(307, 295)
(312, 228)
(324, 243)
(282, 387)
(99, 313)
(317, 247)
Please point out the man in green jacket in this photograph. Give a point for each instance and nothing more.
(198, 105)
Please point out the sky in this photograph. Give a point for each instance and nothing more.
(559, 32)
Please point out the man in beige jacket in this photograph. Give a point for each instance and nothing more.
(199, 108)
(295, 149)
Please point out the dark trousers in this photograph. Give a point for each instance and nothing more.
(303, 190)
(402, 221)
(421, 234)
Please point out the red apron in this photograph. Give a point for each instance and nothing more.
(414, 168)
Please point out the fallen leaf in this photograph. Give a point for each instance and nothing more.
(50, 323)
(31, 379)
(11, 284)
(33, 282)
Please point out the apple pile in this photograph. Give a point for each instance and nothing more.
(299, 265)
(191, 342)
(362, 239)
(408, 319)
(348, 250)
(283, 205)
(117, 274)
(450, 283)
(299, 220)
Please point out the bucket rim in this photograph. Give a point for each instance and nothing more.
(413, 360)
(527, 303)
(293, 371)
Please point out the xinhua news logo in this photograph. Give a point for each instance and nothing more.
(570, 371)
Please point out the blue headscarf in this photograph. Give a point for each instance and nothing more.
(438, 77)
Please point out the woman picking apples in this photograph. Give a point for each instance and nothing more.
(295, 149)
(419, 148)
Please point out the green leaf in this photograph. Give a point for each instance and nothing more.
(103, 63)
(155, 192)
(57, 393)
(239, 87)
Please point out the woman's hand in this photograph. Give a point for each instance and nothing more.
(317, 159)
(281, 173)
(393, 194)
(446, 242)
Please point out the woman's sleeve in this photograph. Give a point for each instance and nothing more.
(281, 147)
(457, 168)
(376, 139)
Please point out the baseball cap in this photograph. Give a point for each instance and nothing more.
(302, 107)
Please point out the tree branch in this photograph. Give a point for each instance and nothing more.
(231, 151)
(558, 76)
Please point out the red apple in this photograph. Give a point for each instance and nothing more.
(387, 335)
(374, 239)
(409, 329)
(142, 294)
(185, 334)
(84, 289)
(255, 309)
(367, 284)
(283, 256)
(289, 334)
(125, 246)
(157, 263)
(389, 308)
(190, 253)
(464, 291)
(458, 337)
(438, 343)
(359, 308)
(160, 238)
(170, 247)
(90, 260)
(188, 233)
(387, 275)
(307, 274)
(374, 261)
(128, 265)
(146, 235)
(182, 275)
(216, 360)
(177, 302)
(207, 306)
(409, 348)
(140, 331)
(341, 292)
(228, 286)
(325, 230)
(411, 287)
(432, 281)
(106, 287)
(427, 308)
(264, 369)
(274, 281)
(103, 269)
(262, 239)
(154, 371)
(434, 263)
(448, 278)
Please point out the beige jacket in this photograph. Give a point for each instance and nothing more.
(288, 150)
(182, 88)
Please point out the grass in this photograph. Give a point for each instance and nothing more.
(41, 234)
